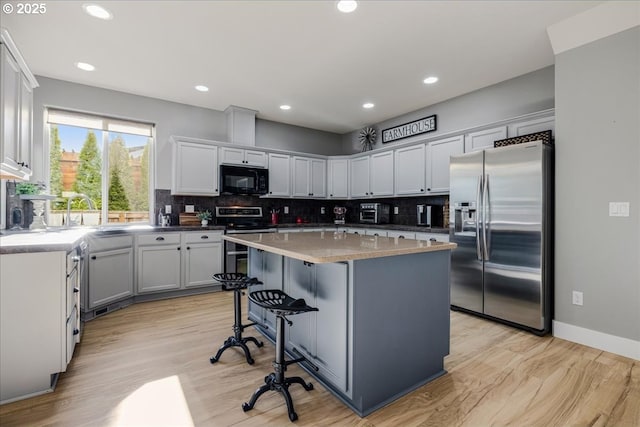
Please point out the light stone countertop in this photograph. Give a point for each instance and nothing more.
(325, 246)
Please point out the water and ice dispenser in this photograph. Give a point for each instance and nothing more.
(465, 218)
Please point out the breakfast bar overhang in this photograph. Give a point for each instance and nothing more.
(382, 325)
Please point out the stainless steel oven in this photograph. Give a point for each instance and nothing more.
(374, 213)
(240, 220)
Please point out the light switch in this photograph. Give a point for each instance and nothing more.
(189, 209)
(618, 208)
(167, 209)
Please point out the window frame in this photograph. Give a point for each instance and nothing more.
(104, 223)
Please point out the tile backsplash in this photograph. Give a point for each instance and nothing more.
(308, 210)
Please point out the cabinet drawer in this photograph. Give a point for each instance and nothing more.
(73, 291)
(203, 237)
(73, 333)
(159, 239)
(99, 244)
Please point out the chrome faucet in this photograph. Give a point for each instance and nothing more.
(70, 199)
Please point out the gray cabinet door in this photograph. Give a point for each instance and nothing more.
(331, 299)
(300, 284)
(110, 276)
(158, 268)
(266, 267)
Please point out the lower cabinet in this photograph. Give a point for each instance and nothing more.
(110, 270)
(173, 261)
(268, 268)
(320, 336)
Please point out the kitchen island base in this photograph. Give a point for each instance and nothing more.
(382, 329)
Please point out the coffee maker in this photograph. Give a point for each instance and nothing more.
(339, 212)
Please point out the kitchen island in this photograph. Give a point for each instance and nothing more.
(382, 325)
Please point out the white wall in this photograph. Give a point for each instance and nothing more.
(521, 95)
(597, 162)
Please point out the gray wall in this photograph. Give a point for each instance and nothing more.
(525, 94)
(294, 138)
(170, 118)
(597, 162)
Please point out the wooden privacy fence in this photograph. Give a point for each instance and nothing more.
(58, 218)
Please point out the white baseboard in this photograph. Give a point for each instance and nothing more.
(611, 343)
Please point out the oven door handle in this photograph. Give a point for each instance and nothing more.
(237, 252)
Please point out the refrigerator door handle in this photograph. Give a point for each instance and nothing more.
(478, 216)
(486, 225)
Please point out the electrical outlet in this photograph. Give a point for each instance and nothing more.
(396, 210)
(167, 209)
(577, 298)
(322, 210)
(618, 208)
(189, 208)
(286, 209)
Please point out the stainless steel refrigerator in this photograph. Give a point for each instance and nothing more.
(501, 217)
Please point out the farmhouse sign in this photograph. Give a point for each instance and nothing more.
(428, 124)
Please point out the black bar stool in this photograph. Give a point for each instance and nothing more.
(236, 282)
(281, 305)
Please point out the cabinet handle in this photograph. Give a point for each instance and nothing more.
(330, 195)
(204, 237)
(400, 237)
(76, 290)
(428, 189)
(159, 238)
(93, 257)
(178, 248)
(188, 248)
(422, 189)
(76, 331)
(307, 263)
(433, 239)
(376, 234)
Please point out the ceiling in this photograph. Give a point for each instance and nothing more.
(261, 54)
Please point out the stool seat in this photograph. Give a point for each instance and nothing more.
(281, 305)
(237, 282)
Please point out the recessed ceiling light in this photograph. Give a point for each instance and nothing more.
(368, 105)
(347, 6)
(97, 11)
(85, 66)
(202, 88)
(285, 107)
(430, 80)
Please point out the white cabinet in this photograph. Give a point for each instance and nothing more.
(16, 110)
(309, 177)
(110, 270)
(359, 173)
(381, 174)
(242, 157)
(438, 159)
(158, 262)
(202, 257)
(172, 261)
(338, 178)
(409, 170)
(476, 141)
(195, 169)
(39, 322)
(321, 336)
(279, 175)
(433, 236)
(532, 126)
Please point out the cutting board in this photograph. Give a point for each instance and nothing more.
(188, 219)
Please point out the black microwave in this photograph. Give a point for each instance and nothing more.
(243, 180)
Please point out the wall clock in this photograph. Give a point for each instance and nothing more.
(367, 138)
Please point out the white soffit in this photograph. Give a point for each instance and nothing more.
(594, 24)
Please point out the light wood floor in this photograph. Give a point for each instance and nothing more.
(148, 364)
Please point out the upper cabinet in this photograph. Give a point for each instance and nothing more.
(195, 169)
(532, 126)
(309, 177)
(381, 174)
(338, 178)
(410, 170)
(438, 157)
(239, 156)
(241, 125)
(16, 111)
(476, 141)
(279, 175)
(359, 171)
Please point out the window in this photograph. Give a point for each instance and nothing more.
(107, 160)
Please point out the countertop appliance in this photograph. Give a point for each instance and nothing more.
(237, 220)
(339, 212)
(429, 215)
(502, 221)
(374, 213)
(243, 180)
